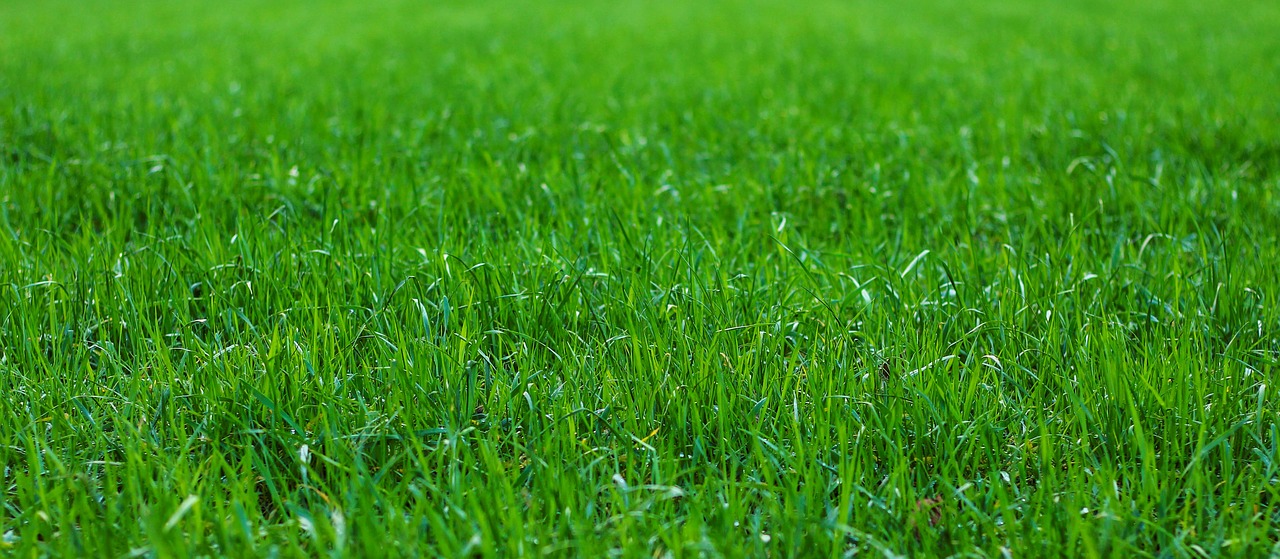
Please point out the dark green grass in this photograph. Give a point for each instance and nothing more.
(731, 278)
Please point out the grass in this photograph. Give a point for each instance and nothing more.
(641, 279)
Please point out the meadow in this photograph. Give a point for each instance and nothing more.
(733, 278)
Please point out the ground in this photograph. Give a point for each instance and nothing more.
(504, 278)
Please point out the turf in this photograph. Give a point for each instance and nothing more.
(639, 278)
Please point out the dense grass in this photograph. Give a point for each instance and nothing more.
(725, 278)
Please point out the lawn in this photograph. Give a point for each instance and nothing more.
(499, 278)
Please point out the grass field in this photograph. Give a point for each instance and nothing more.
(637, 278)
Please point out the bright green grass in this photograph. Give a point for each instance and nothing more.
(725, 278)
